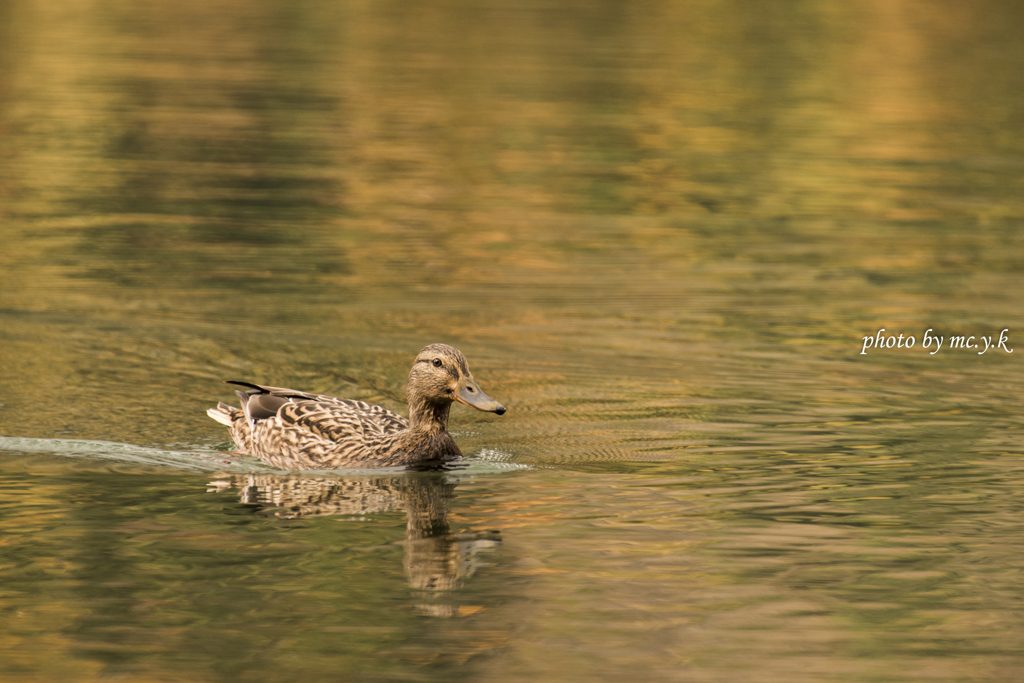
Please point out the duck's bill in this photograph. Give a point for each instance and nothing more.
(470, 394)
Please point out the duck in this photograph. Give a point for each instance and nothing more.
(296, 430)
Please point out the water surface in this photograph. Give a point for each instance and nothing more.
(659, 231)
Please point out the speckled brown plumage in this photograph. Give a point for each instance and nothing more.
(296, 430)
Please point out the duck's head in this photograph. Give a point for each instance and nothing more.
(441, 375)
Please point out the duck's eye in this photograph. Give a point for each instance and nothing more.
(437, 362)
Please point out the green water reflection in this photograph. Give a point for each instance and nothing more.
(658, 230)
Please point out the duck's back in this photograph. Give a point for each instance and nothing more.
(339, 419)
(326, 432)
(312, 431)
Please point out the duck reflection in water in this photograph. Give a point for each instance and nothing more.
(436, 560)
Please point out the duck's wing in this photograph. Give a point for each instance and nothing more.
(326, 435)
(340, 419)
(284, 426)
(273, 398)
(259, 389)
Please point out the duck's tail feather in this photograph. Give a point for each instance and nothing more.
(233, 418)
(222, 413)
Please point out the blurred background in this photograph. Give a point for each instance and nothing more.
(659, 231)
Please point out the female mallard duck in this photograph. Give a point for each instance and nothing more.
(299, 431)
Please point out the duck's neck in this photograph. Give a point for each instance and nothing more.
(428, 416)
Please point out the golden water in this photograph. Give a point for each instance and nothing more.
(660, 232)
